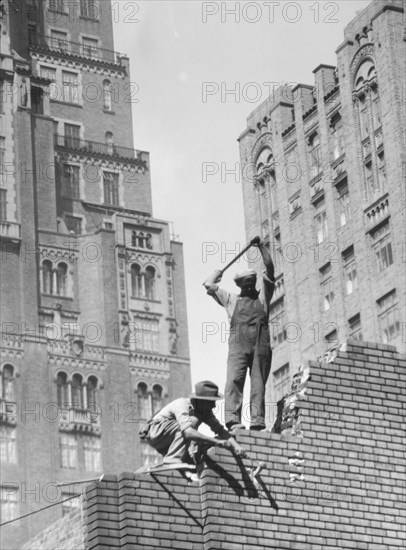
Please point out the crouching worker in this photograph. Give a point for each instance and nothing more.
(172, 430)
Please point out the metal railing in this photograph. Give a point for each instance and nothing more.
(94, 147)
(76, 49)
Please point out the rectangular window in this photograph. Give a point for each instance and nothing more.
(72, 135)
(382, 247)
(369, 176)
(71, 181)
(337, 134)
(69, 505)
(50, 74)
(344, 203)
(146, 335)
(1, 97)
(382, 170)
(59, 40)
(56, 5)
(320, 220)
(327, 287)
(32, 34)
(68, 451)
(389, 317)
(314, 155)
(2, 155)
(354, 325)
(350, 270)
(8, 445)
(278, 322)
(74, 224)
(70, 87)
(90, 47)
(3, 205)
(110, 184)
(92, 454)
(8, 502)
(281, 383)
(88, 8)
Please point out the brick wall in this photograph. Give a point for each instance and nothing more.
(67, 533)
(333, 479)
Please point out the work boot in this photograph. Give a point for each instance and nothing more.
(258, 427)
(233, 426)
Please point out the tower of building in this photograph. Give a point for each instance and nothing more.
(324, 184)
(93, 309)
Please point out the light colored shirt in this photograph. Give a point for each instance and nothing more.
(229, 300)
(183, 412)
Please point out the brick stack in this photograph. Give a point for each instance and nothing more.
(341, 484)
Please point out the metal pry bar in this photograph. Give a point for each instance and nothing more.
(258, 469)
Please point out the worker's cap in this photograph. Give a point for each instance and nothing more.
(206, 390)
(245, 276)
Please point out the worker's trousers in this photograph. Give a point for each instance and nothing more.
(166, 438)
(249, 350)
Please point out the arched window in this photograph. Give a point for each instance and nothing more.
(107, 103)
(91, 393)
(109, 143)
(134, 238)
(77, 392)
(62, 394)
(141, 240)
(149, 241)
(136, 281)
(144, 407)
(150, 283)
(7, 392)
(61, 279)
(156, 398)
(47, 283)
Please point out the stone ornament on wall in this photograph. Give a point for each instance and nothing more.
(364, 51)
(264, 139)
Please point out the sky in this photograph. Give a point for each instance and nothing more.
(199, 69)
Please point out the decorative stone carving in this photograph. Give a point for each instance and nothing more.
(364, 51)
(264, 139)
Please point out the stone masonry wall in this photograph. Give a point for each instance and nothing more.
(333, 479)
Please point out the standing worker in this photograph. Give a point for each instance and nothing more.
(249, 341)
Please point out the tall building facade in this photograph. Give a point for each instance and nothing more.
(324, 170)
(93, 308)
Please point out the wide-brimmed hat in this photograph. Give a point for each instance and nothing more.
(244, 275)
(206, 390)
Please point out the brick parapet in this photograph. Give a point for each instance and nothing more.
(339, 484)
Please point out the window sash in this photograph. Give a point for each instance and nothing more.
(70, 87)
(3, 205)
(8, 445)
(383, 253)
(72, 181)
(327, 287)
(344, 205)
(321, 226)
(8, 504)
(69, 451)
(110, 184)
(92, 454)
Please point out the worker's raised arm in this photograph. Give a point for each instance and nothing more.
(212, 281)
